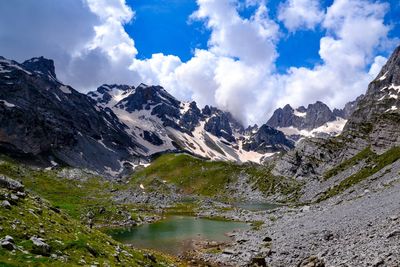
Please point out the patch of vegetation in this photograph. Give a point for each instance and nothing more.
(256, 225)
(182, 208)
(192, 175)
(376, 163)
(210, 178)
(270, 184)
(365, 154)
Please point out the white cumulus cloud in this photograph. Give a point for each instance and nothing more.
(300, 14)
(347, 50)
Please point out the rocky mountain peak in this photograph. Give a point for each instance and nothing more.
(266, 140)
(110, 94)
(315, 120)
(146, 96)
(109, 87)
(301, 109)
(377, 114)
(317, 114)
(251, 129)
(40, 65)
(390, 73)
(288, 108)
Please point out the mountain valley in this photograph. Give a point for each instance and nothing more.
(74, 166)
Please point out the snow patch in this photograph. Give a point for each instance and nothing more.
(395, 87)
(65, 89)
(7, 104)
(4, 71)
(331, 128)
(393, 108)
(299, 114)
(57, 97)
(185, 106)
(383, 77)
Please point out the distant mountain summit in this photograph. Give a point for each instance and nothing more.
(373, 126)
(317, 120)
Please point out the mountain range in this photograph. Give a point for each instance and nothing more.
(118, 127)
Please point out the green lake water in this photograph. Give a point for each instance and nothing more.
(174, 234)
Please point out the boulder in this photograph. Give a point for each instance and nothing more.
(6, 204)
(10, 184)
(267, 239)
(39, 246)
(8, 243)
(312, 261)
(258, 261)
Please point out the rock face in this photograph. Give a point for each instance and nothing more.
(377, 116)
(8, 243)
(348, 109)
(10, 184)
(43, 118)
(267, 140)
(39, 246)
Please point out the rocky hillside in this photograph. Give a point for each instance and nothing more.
(317, 120)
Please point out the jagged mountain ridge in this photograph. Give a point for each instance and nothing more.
(162, 123)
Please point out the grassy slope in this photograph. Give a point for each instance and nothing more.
(365, 154)
(375, 163)
(71, 241)
(210, 178)
(76, 198)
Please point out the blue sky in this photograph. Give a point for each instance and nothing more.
(163, 26)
